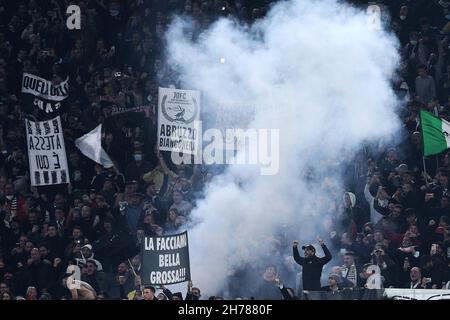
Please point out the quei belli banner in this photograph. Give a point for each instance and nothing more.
(43, 96)
(179, 126)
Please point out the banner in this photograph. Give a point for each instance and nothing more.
(165, 260)
(345, 294)
(46, 152)
(179, 126)
(417, 294)
(119, 110)
(379, 294)
(42, 95)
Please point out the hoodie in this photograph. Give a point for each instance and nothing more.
(353, 214)
(352, 198)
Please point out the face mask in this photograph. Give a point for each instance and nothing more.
(138, 157)
(413, 42)
(9, 197)
(77, 176)
(402, 17)
(383, 203)
(114, 12)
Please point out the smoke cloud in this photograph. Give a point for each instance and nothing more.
(312, 69)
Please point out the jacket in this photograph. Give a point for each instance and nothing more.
(312, 268)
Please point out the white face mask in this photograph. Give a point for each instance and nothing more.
(402, 17)
(413, 42)
(10, 197)
(383, 203)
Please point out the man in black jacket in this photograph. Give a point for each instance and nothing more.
(40, 273)
(312, 265)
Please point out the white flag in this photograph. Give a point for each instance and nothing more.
(91, 146)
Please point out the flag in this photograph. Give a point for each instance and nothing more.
(91, 146)
(435, 133)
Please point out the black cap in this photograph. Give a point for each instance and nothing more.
(310, 247)
(178, 294)
(151, 288)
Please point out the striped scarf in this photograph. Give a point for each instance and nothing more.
(349, 273)
(13, 206)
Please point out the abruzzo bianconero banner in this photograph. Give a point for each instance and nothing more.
(179, 126)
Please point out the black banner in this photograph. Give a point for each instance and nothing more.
(165, 260)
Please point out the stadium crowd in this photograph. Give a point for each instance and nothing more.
(395, 214)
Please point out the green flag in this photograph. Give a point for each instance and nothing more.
(435, 133)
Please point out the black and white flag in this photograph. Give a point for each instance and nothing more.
(42, 97)
(46, 152)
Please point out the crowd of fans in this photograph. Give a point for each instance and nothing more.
(395, 215)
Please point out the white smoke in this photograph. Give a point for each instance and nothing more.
(316, 71)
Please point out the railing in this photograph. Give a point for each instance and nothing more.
(379, 294)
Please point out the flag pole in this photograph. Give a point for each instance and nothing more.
(132, 268)
(425, 171)
(423, 148)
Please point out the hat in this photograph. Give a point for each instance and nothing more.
(310, 247)
(151, 288)
(87, 246)
(178, 294)
(162, 293)
(45, 296)
(402, 166)
(335, 276)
